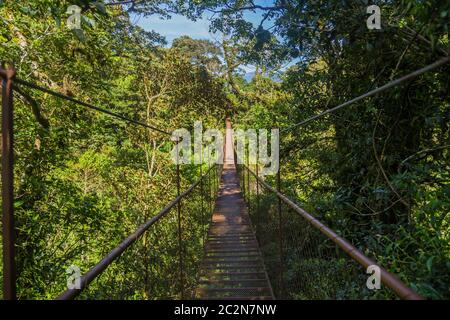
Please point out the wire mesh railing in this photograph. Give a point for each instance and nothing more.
(170, 267)
(293, 242)
(303, 257)
(158, 273)
(157, 261)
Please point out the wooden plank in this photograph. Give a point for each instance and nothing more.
(232, 267)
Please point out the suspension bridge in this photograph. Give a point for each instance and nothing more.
(245, 248)
(233, 267)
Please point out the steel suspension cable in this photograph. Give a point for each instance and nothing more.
(383, 88)
(87, 105)
(389, 279)
(98, 269)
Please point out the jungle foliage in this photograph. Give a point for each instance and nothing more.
(84, 180)
(377, 172)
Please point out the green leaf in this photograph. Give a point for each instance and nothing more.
(17, 203)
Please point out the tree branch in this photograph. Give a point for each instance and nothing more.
(34, 108)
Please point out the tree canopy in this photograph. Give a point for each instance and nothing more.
(377, 172)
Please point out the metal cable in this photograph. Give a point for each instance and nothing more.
(383, 88)
(100, 267)
(87, 105)
(390, 280)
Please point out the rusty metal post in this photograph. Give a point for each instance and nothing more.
(215, 181)
(9, 266)
(209, 184)
(202, 193)
(243, 177)
(180, 238)
(248, 178)
(280, 235)
(257, 190)
(209, 193)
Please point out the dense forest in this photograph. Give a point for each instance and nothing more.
(377, 172)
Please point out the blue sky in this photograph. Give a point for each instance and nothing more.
(178, 26)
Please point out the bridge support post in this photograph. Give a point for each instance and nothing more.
(209, 185)
(213, 184)
(202, 194)
(257, 192)
(244, 177)
(216, 183)
(180, 236)
(9, 265)
(280, 236)
(243, 183)
(248, 180)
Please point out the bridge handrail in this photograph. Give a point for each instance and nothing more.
(9, 84)
(373, 92)
(387, 278)
(3, 74)
(101, 266)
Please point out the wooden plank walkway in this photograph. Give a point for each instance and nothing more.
(232, 267)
